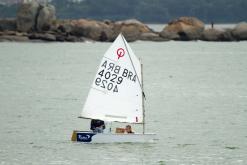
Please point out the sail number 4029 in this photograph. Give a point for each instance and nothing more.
(108, 80)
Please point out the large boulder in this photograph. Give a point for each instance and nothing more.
(211, 34)
(27, 15)
(227, 35)
(131, 29)
(46, 17)
(8, 24)
(184, 28)
(240, 31)
(64, 26)
(92, 29)
(217, 35)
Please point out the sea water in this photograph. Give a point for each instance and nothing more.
(196, 103)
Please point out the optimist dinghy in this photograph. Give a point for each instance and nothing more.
(116, 95)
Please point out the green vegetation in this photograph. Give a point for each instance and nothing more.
(220, 11)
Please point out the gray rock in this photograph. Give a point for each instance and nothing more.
(72, 38)
(151, 37)
(27, 15)
(13, 33)
(240, 31)
(75, 39)
(46, 17)
(166, 34)
(4, 38)
(8, 24)
(60, 37)
(42, 36)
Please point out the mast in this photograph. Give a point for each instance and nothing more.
(143, 106)
(140, 83)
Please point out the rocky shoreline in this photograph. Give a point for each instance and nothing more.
(37, 22)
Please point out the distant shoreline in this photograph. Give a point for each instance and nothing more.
(152, 34)
(38, 22)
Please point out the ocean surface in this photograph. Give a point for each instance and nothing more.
(196, 103)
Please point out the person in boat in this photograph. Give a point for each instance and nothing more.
(128, 129)
(97, 126)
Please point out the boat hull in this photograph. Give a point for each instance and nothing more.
(90, 137)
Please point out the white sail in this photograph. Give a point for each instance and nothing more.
(116, 92)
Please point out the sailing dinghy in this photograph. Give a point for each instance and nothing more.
(116, 95)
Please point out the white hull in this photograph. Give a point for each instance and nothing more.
(89, 137)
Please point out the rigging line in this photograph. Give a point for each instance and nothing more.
(133, 66)
(132, 62)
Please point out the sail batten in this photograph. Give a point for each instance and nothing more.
(116, 92)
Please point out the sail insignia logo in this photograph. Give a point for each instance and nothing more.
(84, 137)
(120, 53)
